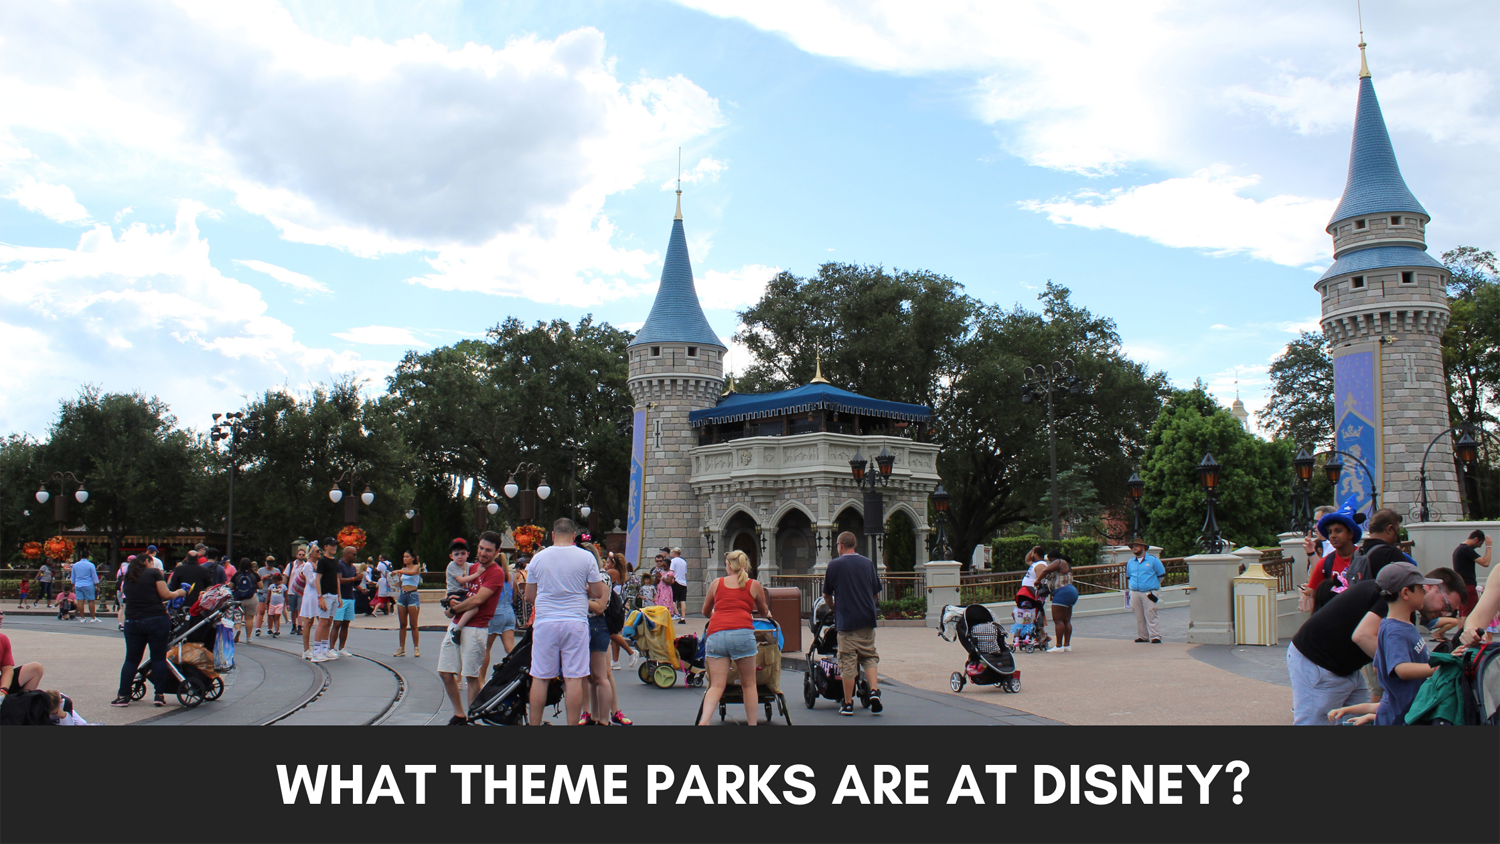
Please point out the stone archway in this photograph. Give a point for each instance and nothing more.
(900, 543)
(852, 520)
(745, 541)
(794, 543)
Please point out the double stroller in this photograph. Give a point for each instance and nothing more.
(190, 663)
(503, 699)
(652, 631)
(990, 662)
(822, 679)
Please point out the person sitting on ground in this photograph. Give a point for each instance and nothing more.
(66, 601)
(16, 678)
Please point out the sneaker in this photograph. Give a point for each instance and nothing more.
(1141, 640)
(614, 666)
(619, 719)
(345, 652)
(1068, 648)
(846, 708)
(159, 700)
(257, 631)
(121, 627)
(633, 659)
(1156, 641)
(875, 704)
(453, 634)
(417, 652)
(458, 721)
(307, 654)
(330, 654)
(120, 701)
(585, 719)
(318, 658)
(1057, 649)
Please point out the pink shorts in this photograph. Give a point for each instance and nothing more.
(560, 649)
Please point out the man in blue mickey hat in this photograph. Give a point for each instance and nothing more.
(1342, 530)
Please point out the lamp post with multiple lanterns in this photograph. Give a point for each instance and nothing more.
(526, 504)
(1054, 384)
(869, 483)
(60, 504)
(351, 502)
(229, 426)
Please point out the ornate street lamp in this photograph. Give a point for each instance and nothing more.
(60, 504)
(1136, 487)
(1302, 468)
(940, 503)
(230, 426)
(351, 503)
(1465, 450)
(869, 483)
(1054, 385)
(526, 503)
(1208, 476)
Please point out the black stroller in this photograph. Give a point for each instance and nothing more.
(822, 679)
(990, 662)
(191, 684)
(503, 700)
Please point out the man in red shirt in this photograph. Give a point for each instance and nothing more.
(467, 656)
(1342, 530)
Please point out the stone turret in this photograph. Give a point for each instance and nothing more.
(676, 367)
(1385, 306)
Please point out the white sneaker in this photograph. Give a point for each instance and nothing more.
(614, 666)
(1056, 650)
(632, 660)
(1068, 648)
(345, 652)
(307, 654)
(319, 658)
(331, 654)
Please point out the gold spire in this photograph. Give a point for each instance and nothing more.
(679, 183)
(1364, 68)
(728, 386)
(819, 379)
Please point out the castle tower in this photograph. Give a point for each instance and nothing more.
(676, 367)
(1385, 306)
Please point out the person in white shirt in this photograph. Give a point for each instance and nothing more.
(679, 584)
(560, 581)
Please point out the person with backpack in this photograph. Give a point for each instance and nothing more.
(1341, 529)
(244, 588)
(1380, 548)
(606, 614)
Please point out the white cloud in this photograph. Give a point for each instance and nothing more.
(285, 276)
(708, 169)
(735, 288)
(1204, 211)
(494, 163)
(380, 335)
(1313, 324)
(143, 309)
(55, 202)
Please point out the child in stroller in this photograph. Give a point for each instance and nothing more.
(1024, 630)
(823, 679)
(503, 700)
(990, 660)
(692, 655)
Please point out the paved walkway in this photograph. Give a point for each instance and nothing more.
(1107, 679)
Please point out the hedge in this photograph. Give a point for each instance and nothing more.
(1010, 551)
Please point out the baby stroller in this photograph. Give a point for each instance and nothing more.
(769, 642)
(192, 637)
(990, 662)
(823, 679)
(503, 700)
(651, 630)
(691, 655)
(1024, 632)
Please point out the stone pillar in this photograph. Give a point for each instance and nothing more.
(1211, 576)
(921, 532)
(767, 538)
(1291, 548)
(825, 553)
(942, 587)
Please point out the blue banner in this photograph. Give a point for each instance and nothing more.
(637, 488)
(1357, 410)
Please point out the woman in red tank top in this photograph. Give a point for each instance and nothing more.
(729, 605)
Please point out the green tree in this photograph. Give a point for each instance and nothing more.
(138, 466)
(1301, 405)
(22, 520)
(1471, 356)
(1252, 496)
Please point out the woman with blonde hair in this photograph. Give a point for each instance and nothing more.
(731, 633)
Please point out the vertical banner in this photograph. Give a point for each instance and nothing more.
(637, 488)
(1356, 388)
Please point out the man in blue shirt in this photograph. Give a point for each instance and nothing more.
(1143, 574)
(85, 586)
(849, 587)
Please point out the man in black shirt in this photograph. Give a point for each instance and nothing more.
(1380, 547)
(328, 572)
(192, 577)
(850, 586)
(1464, 558)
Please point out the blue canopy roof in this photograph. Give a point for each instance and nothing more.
(1374, 184)
(1380, 258)
(739, 406)
(676, 316)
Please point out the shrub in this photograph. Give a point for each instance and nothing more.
(1010, 551)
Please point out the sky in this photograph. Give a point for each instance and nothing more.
(201, 202)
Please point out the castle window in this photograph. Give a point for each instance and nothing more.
(1359, 224)
(656, 351)
(1395, 221)
(1357, 283)
(692, 351)
(1408, 277)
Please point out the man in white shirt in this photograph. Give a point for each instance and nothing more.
(679, 584)
(560, 581)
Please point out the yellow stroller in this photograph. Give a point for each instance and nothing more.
(654, 636)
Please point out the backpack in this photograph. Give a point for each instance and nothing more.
(215, 570)
(244, 586)
(299, 580)
(1359, 567)
(614, 612)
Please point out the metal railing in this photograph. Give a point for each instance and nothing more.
(998, 587)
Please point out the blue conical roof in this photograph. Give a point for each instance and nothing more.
(676, 316)
(1374, 185)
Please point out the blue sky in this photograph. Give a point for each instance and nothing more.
(201, 202)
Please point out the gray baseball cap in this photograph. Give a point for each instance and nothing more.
(1397, 576)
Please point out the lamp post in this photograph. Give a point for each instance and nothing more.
(1208, 476)
(1055, 384)
(414, 515)
(1136, 487)
(351, 503)
(940, 542)
(1334, 468)
(1465, 449)
(230, 428)
(1302, 468)
(60, 505)
(526, 505)
(869, 483)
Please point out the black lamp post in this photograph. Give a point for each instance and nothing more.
(415, 515)
(230, 428)
(1302, 467)
(1334, 468)
(526, 504)
(1136, 487)
(1054, 384)
(60, 505)
(940, 503)
(1208, 476)
(351, 502)
(1465, 450)
(869, 483)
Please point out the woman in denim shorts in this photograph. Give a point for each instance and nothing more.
(503, 623)
(731, 634)
(409, 602)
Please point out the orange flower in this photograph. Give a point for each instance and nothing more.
(352, 535)
(32, 550)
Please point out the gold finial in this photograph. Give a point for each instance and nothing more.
(819, 379)
(679, 184)
(1364, 67)
(728, 386)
